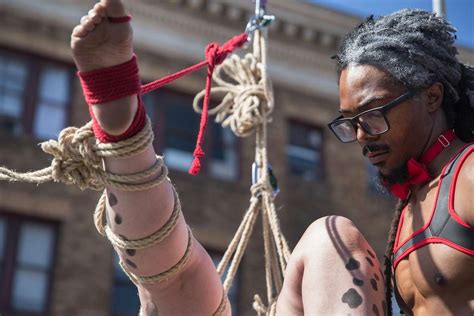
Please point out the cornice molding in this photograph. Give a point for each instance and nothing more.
(177, 31)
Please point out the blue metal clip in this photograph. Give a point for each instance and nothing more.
(273, 179)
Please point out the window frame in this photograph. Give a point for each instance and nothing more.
(158, 117)
(35, 64)
(13, 229)
(322, 150)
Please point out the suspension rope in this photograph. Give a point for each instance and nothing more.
(246, 108)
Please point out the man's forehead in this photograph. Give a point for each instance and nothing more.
(365, 76)
(361, 85)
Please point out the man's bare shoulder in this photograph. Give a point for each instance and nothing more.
(464, 197)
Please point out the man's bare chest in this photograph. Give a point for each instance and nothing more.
(433, 270)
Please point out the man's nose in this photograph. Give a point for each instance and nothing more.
(362, 135)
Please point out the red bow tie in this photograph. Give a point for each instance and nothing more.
(417, 170)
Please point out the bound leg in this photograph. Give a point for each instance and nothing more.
(195, 289)
(333, 271)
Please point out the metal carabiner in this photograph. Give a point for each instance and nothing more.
(259, 20)
(271, 175)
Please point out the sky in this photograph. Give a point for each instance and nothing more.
(460, 12)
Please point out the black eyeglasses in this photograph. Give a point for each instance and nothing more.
(373, 121)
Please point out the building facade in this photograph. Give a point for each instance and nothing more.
(53, 262)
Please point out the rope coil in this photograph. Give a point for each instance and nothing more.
(165, 275)
(247, 101)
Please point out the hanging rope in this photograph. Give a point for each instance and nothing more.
(215, 55)
(246, 108)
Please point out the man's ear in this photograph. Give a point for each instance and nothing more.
(434, 96)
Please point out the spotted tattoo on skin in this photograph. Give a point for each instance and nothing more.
(118, 219)
(131, 252)
(352, 298)
(369, 261)
(371, 253)
(130, 263)
(374, 284)
(352, 264)
(376, 277)
(112, 199)
(375, 310)
(358, 282)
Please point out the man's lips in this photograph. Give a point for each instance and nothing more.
(377, 157)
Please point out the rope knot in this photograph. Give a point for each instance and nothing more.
(74, 159)
(215, 54)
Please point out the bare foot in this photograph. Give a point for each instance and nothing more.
(97, 43)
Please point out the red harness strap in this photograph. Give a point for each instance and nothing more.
(418, 170)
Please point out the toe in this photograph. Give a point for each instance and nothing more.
(89, 25)
(84, 20)
(79, 31)
(99, 8)
(94, 17)
(114, 8)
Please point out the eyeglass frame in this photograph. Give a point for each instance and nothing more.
(383, 109)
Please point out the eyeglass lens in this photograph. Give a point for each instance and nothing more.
(373, 122)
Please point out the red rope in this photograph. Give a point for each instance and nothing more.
(215, 55)
(108, 84)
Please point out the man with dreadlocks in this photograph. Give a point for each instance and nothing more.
(410, 104)
(402, 94)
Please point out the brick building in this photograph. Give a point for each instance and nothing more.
(53, 262)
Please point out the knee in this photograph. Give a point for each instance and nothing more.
(331, 233)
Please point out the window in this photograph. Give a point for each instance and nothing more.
(34, 95)
(304, 151)
(125, 301)
(53, 99)
(177, 128)
(26, 261)
(13, 81)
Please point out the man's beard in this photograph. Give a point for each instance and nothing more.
(397, 175)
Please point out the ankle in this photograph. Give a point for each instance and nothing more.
(114, 126)
(115, 117)
(115, 105)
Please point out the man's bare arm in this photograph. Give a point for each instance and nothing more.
(196, 288)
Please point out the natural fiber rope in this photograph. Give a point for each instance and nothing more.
(246, 108)
(165, 275)
(77, 159)
(154, 238)
(245, 104)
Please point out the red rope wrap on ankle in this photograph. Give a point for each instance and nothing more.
(112, 83)
(107, 84)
